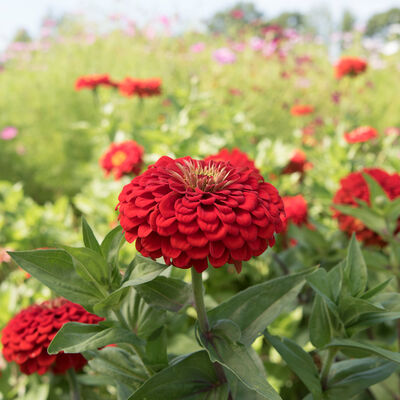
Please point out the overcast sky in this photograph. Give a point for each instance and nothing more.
(15, 14)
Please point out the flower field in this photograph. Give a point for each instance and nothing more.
(199, 216)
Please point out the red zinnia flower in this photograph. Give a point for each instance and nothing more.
(123, 158)
(236, 157)
(350, 66)
(28, 334)
(193, 212)
(92, 81)
(355, 187)
(296, 210)
(361, 134)
(140, 87)
(301, 109)
(297, 163)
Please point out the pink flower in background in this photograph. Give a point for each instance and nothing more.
(238, 47)
(197, 47)
(8, 133)
(335, 96)
(224, 56)
(256, 43)
(165, 21)
(269, 48)
(392, 130)
(237, 14)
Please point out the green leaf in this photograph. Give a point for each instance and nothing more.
(119, 364)
(55, 269)
(299, 361)
(111, 245)
(352, 307)
(319, 281)
(156, 350)
(75, 337)
(239, 390)
(89, 239)
(377, 195)
(191, 377)
(366, 215)
(144, 270)
(335, 279)
(369, 348)
(355, 269)
(320, 325)
(353, 376)
(377, 289)
(91, 266)
(112, 301)
(241, 361)
(255, 308)
(165, 293)
(371, 319)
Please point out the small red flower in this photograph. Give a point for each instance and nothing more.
(350, 66)
(27, 335)
(195, 212)
(361, 134)
(123, 159)
(93, 81)
(236, 157)
(301, 109)
(297, 163)
(140, 87)
(296, 211)
(237, 13)
(355, 187)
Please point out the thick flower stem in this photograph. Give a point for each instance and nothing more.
(73, 385)
(197, 285)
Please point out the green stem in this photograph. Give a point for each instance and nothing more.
(73, 385)
(197, 285)
(327, 366)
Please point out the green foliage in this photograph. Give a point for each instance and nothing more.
(380, 21)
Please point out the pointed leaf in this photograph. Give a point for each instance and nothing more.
(255, 308)
(299, 361)
(321, 327)
(55, 269)
(355, 269)
(75, 337)
(89, 239)
(144, 270)
(111, 245)
(189, 378)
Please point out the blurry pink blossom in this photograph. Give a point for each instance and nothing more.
(224, 55)
(269, 48)
(8, 133)
(392, 130)
(237, 14)
(197, 47)
(238, 47)
(165, 21)
(4, 257)
(256, 43)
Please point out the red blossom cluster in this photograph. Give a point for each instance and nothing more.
(301, 109)
(355, 187)
(93, 81)
(361, 134)
(140, 87)
(350, 66)
(297, 163)
(236, 157)
(123, 159)
(195, 212)
(296, 211)
(27, 335)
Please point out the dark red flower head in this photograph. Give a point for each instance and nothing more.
(353, 187)
(301, 109)
(27, 335)
(236, 157)
(350, 66)
(123, 159)
(361, 134)
(140, 87)
(193, 212)
(92, 81)
(296, 210)
(297, 163)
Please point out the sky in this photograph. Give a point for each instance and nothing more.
(15, 14)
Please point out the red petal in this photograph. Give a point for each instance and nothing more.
(167, 204)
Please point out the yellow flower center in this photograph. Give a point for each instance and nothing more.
(118, 158)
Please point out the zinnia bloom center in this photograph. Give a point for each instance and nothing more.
(208, 178)
(118, 158)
